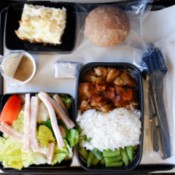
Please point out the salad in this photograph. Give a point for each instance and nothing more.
(36, 129)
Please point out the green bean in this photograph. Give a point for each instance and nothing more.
(114, 164)
(83, 152)
(125, 157)
(130, 152)
(110, 153)
(110, 160)
(90, 159)
(97, 153)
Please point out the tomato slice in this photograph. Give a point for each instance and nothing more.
(11, 109)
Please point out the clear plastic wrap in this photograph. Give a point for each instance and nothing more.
(85, 51)
(135, 12)
(156, 70)
(65, 69)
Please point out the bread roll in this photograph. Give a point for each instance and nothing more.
(107, 26)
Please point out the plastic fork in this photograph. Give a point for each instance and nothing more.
(157, 69)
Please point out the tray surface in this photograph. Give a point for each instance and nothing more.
(143, 168)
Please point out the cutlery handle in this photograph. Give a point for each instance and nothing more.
(163, 127)
(155, 135)
(153, 122)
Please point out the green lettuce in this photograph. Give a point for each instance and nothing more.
(66, 100)
(18, 124)
(72, 137)
(47, 123)
(60, 154)
(35, 158)
(10, 153)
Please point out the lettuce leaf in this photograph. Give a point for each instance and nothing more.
(44, 136)
(60, 155)
(10, 153)
(33, 158)
(18, 124)
(66, 100)
(72, 137)
(47, 123)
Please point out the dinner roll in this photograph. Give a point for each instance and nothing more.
(107, 26)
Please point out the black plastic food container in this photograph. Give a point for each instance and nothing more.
(14, 13)
(135, 74)
(43, 167)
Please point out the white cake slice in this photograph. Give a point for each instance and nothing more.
(41, 24)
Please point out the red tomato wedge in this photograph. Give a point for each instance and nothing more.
(11, 109)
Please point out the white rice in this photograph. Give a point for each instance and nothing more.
(115, 129)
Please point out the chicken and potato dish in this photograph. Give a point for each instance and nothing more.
(104, 89)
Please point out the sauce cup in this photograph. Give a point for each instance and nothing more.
(18, 67)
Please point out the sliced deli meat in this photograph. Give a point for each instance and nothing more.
(61, 112)
(8, 130)
(50, 152)
(58, 100)
(44, 98)
(33, 123)
(26, 135)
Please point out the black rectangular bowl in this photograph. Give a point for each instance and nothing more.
(14, 13)
(44, 167)
(135, 73)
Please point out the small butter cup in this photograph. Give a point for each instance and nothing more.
(16, 68)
